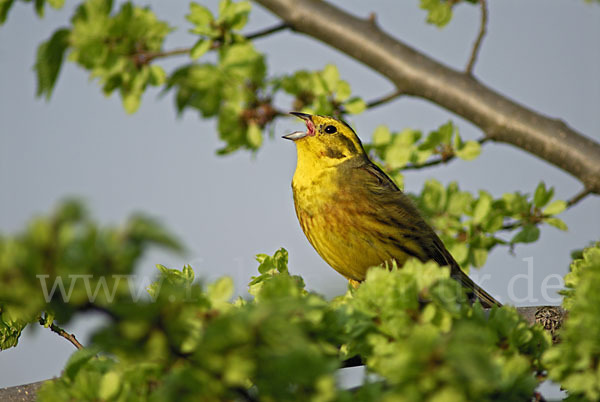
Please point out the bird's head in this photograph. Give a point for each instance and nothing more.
(327, 141)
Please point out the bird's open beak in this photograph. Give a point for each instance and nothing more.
(303, 116)
(310, 127)
(296, 135)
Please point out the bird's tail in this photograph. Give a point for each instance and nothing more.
(475, 292)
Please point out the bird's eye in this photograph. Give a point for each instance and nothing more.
(330, 129)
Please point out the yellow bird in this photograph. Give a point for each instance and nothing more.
(352, 212)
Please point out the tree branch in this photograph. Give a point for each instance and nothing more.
(384, 99)
(414, 73)
(578, 197)
(267, 31)
(539, 218)
(21, 393)
(438, 161)
(69, 337)
(477, 44)
(146, 57)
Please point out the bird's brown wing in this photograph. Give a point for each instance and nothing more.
(397, 208)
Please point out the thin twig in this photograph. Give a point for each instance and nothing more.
(268, 31)
(578, 197)
(146, 57)
(384, 99)
(572, 201)
(58, 330)
(477, 44)
(438, 161)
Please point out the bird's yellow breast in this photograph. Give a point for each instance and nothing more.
(332, 220)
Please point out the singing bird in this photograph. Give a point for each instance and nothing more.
(352, 212)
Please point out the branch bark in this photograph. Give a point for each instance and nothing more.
(415, 74)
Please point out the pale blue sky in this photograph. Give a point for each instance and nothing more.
(544, 54)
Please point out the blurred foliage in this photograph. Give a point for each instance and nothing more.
(39, 5)
(575, 362)
(439, 12)
(64, 263)
(412, 327)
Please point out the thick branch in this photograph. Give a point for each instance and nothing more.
(20, 393)
(415, 74)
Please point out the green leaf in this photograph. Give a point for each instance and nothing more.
(39, 7)
(343, 91)
(56, 4)
(50, 56)
(221, 291)
(131, 102)
(541, 196)
(201, 17)
(243, 62)
(157, 75)
(439, 11)
(433, 196)
(199, 14)
(479, 257)
(443, 135)
(381, 135)
(331, 76)
(557, 223)
(78, 360)
(254, 136)
(10, 329)
(459, 251)
(446, 131)
(201, 47)
(5, 6)
(555, 207)
(482, 207)
(234, 15)
(528, 234)
(469, 150)
(110, 385)
(47, 320)
(459, 203)
(397, 156)
(355, 105)
(199, 87)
